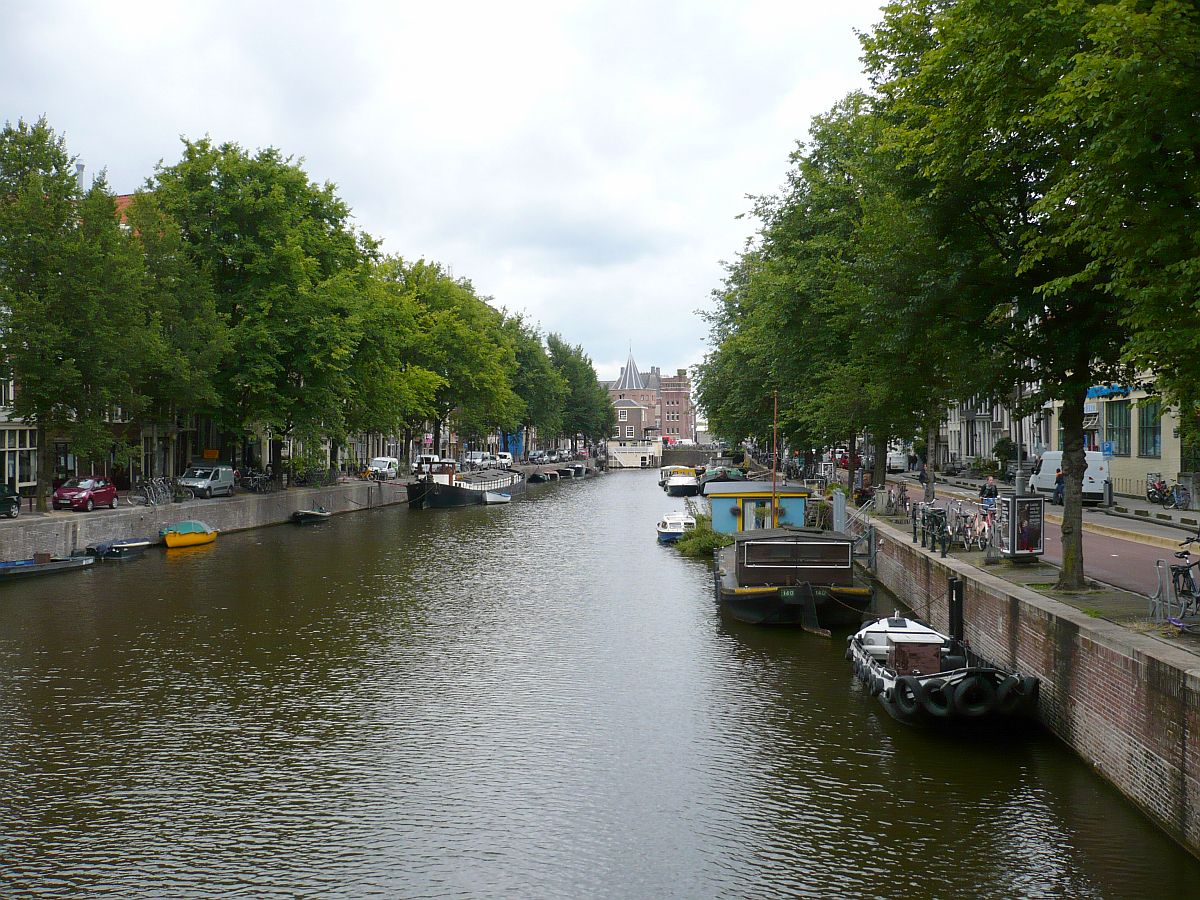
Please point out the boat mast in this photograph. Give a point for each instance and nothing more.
(774, 457)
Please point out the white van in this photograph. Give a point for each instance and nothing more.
(384, 467)
(897, 460)
(1042, 479)
(504, 460)
(208, 480)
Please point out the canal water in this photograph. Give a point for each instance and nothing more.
(531, 700)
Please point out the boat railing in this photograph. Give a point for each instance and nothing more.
(491, 484)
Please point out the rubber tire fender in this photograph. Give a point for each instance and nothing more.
(937, 698)
(1009, 694)
(907, 695)
(982, 703)
(877, 686)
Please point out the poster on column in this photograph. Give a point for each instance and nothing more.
(1029, 536)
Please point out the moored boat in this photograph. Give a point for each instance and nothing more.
(311, 516)
(791, 576)
(442, 487)
(42, 564)
(188, 533)
(682, 482)
(490, 497)
(673, 526)
(922, 676)
(119, 550)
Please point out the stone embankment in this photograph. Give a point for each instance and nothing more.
(1126, 702)
(63, 533)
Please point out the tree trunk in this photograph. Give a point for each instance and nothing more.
(1074, 464)
(930, 451)
(45, 469)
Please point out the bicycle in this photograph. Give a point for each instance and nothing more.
(1156, 487)
(181, 493)
(1178, 497)
(141, 494)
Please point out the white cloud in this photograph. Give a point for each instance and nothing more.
(582, 162)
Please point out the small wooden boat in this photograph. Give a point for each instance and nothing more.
(188, 533)
(311, 516)
(42, 564)
(490, 497)
(673, 526)
(566, 473)
(119, 550)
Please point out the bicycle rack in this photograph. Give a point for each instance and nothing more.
(1160, 601)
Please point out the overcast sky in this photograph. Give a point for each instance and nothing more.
(583, 163)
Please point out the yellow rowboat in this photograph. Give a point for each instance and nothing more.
(189, 533)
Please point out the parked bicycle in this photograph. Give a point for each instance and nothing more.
(1156, 487)
(1178, 497)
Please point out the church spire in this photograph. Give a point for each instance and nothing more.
(631, 379)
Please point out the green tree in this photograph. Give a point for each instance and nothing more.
(463, 344)
(958, 82)
(288, 272)
(72, 308)
(542, 389)
(587, 410)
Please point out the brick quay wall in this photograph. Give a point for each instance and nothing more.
(1127, 703)
(63, 533)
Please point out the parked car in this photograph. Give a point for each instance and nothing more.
(210, 480)
(504, 460)
(537, 456)
(10, 502)
(87, 493)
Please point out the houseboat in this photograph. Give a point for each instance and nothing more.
(791, 576)
(443, 487)
(738, 506)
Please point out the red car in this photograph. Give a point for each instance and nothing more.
(85, 493)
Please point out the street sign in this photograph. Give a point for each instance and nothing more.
(1106, 447)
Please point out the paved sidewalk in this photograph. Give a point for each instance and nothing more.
(1130, 518)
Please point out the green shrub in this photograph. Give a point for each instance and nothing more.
(701, 543)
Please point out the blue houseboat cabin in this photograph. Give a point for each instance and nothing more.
(738, 506)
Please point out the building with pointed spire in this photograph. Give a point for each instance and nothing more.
(650, 406)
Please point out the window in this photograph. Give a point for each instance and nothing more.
(1150, 428)
(1116, 426)
(628, 431)
(622, 415)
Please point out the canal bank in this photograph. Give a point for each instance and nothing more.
(1127, 703)
(64, 533)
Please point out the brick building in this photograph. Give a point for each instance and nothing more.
(652, 405)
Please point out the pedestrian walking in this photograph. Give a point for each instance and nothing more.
(1059, 484)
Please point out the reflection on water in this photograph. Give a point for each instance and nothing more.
(533, 700)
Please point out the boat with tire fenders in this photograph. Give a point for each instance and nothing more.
(188, 533)
(924, 677)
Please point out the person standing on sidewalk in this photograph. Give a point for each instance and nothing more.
(1059, 484)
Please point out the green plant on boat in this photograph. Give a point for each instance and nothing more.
(701, 543)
